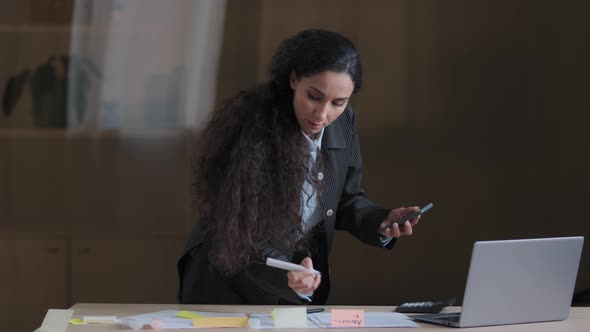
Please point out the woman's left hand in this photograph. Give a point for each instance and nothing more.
(304, 282)
(397, 214)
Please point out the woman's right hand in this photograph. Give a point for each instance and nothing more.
(304, 282)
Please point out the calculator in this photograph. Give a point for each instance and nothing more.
(425, 307)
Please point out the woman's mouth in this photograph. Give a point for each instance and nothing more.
(314, 125)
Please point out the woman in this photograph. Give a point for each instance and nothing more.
(278, 169)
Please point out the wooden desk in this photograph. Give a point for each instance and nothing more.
(578, 321)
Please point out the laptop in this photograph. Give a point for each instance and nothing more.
(517, 281)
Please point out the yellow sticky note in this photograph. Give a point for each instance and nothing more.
(77, 321)
(221, 322)
(188, 314)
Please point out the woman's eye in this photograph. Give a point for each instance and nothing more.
(338, 104)
(315, 98)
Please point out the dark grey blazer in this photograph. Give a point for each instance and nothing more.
(344, 207)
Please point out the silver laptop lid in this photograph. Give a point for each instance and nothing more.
(521, 281)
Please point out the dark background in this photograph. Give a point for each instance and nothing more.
(478, 106)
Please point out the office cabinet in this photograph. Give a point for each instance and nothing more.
(42, 274)
(33, 279)
(124, 270)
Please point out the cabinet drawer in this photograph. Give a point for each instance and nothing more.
(125, 271)
(33, 279)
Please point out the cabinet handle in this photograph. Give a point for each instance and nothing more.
(84, 251)
(52, 250)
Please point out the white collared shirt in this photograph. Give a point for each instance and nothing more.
(310, 212)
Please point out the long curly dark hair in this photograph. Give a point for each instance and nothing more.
(251, 158)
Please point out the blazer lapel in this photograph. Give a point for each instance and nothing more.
(334, 136)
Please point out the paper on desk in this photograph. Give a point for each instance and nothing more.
(168, 319)
(266, 321)
(290, 317)
(372, 319)
(99, 319)
(56, 320)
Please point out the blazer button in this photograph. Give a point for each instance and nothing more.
(320, 176)
(330, 212)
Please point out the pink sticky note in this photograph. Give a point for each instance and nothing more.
(157, 324)
(347, 318)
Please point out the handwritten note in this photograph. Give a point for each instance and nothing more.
(347, 318)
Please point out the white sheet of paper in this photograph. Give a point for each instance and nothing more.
(100, 319)
(266, 322)
(56, 320)
(290, 317)
(372, 319)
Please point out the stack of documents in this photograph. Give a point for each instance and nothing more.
(168, 319)
(174, 319)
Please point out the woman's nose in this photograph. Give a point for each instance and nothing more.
(321, 112)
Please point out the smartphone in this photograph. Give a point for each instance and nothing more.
(410, 216)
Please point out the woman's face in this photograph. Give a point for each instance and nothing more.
(320, 99)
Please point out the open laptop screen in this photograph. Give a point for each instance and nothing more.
(520, 281)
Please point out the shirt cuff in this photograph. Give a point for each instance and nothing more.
(306, 297)
(385, 240)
